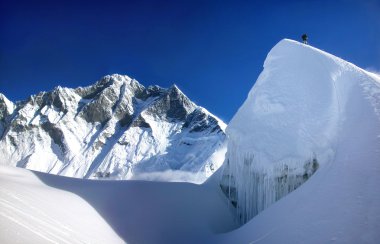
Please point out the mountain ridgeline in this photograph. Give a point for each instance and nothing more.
(116, 128)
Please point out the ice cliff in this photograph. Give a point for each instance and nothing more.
(289, 125)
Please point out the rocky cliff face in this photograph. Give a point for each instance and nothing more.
(115, 128)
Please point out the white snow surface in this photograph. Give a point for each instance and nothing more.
(44, 208)
(308, 102)
(32, 212)
(295, 108)
(340, 203)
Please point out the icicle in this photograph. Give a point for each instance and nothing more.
(251, 187)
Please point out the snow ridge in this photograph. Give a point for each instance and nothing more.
(289, 125)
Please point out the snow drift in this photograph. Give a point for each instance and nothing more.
(44, 208)
(307, 107)
(290, 124)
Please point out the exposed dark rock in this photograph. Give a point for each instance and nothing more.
(199, 121)
(153, 91)
(140, 122)
(55, 134)
(90, 92)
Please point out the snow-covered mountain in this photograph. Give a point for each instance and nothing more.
(115, 128)
(308, 111)
(306, 106)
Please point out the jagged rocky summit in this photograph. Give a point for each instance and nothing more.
(116, 128)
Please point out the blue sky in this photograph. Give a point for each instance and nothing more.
(213, 50)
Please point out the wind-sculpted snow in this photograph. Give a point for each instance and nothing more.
(333, 145)
(115, 129)
(288, 127)
(43, 208)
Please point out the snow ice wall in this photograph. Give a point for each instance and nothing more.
(286, 129)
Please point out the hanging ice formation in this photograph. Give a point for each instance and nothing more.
(251, 188)
(286, 129)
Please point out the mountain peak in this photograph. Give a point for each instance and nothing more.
(115, 126)
(174, 87)
(3, 97)
(290, 124)
(296, 50)
(117, 77)
(175, 90)
(6, 106)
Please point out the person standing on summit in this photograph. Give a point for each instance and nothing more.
(304, 38)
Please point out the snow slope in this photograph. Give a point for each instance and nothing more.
(45, 208)
(339, 203)
(32, 212)
(116, 128)
(308, 102)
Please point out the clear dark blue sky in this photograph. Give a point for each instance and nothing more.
(213, 50)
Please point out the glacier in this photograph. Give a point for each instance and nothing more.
(336, 200)
(113, 129)
(289, 125)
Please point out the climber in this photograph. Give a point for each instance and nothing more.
(304, 38)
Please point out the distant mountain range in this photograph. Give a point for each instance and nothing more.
(116, 128)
